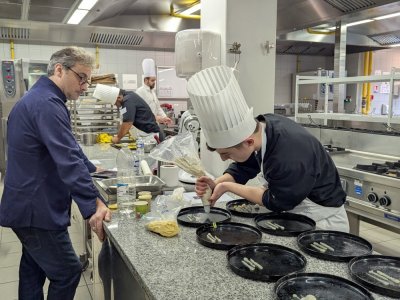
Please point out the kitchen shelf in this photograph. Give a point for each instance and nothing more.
(89, 116)
(388, 119)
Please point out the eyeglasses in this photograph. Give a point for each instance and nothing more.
(82, 79)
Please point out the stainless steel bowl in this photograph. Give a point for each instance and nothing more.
(88, 138)
(148, 146)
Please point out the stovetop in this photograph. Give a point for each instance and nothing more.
(335, 150)
(389, 168)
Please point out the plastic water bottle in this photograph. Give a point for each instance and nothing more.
(140, 147)
(136, 163)
(126, 183)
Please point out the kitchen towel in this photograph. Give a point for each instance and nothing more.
(169, 174)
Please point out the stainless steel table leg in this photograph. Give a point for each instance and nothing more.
(354, 223)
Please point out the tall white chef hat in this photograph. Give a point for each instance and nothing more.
(105, 93)
(149, 67)
(224, 116)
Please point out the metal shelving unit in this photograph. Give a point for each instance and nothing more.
(89, 116)
(389, 119)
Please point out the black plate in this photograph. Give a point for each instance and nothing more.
(231, 234)
(217, 215)
(105, 174)
(322, 286)
(252, 212)
(294, 224)
(346, 245)
(390, 265)
(276, 260)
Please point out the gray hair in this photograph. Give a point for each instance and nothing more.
(68, 57)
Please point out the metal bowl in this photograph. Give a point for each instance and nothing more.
(148, 146)
(88, 138)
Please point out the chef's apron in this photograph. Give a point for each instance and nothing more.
(326, 218)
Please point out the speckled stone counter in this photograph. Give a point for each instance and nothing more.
(181, 268)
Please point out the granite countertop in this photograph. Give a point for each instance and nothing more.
(181, 268)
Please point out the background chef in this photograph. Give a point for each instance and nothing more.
(146, 91)
(133, 109)
(297, 174)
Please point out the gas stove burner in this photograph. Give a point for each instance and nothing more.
(390, 169)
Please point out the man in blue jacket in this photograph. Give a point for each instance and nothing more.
(295, 172)
(46, 169)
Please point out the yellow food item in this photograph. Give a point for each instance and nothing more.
(113, 206)
(167, 228)
(145, 197)
(144, 193)
(103, 138)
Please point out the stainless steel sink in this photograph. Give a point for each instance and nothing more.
(108, 189)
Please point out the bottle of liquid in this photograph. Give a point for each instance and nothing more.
(126, 188)
(136, 164)
(140, 147)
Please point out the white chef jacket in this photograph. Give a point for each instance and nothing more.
(151, 99)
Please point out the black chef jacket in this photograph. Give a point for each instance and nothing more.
(296, 167)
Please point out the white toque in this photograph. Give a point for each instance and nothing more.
(149, 68)
(225, 118)
(105, 93)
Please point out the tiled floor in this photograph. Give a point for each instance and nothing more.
(10, 254)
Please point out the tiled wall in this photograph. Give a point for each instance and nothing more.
(286, 66)
(383, 61)
(117, 61)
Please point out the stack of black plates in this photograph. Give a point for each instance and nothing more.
(275, 261)
(378, 273)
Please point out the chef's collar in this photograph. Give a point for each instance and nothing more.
(45, 81)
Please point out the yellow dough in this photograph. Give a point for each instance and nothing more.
(167, 228)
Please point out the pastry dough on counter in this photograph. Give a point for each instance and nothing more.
(167, 228)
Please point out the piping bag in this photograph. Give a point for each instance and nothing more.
(181, 151)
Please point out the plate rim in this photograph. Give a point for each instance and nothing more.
(261, 217)
(224, 224)
(196, 225)
(329, 257)
(286, 278)
(374, 288)
(267, 278)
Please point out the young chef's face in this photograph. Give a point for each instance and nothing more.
(239, 153)
(75, 80)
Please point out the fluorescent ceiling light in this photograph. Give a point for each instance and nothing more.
(359, 22)
(87, 4)
(331, 28)
(191, 10)
(387, 16)
(394, 45)
(77, 16)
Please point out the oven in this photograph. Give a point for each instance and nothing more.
(372, 184)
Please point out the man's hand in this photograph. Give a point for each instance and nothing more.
(166, 120)
(202, 183)
(96, 221)
(115, 139)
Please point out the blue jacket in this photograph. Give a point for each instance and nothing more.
(46, 167)
(295, 165)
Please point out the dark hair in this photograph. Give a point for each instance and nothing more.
(122, 92)
(237, 145)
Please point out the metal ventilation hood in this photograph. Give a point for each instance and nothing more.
(146, 24)
(89, 36)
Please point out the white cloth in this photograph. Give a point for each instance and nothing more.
(326, 218)
(151, 99)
